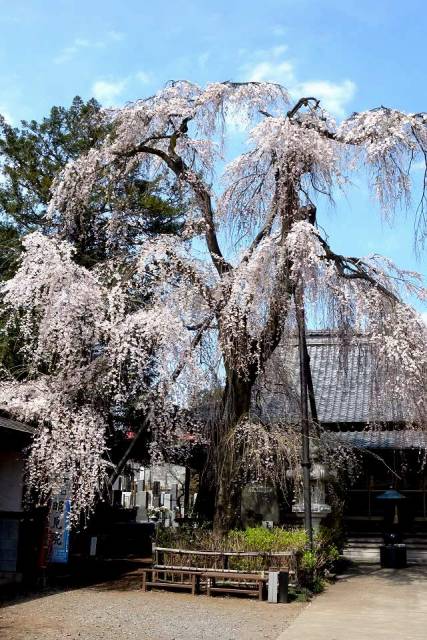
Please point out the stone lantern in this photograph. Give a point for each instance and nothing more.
(319, 508)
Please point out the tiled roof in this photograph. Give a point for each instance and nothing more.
(389, 439)
(344, 394)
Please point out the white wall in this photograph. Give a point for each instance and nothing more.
(11, 481)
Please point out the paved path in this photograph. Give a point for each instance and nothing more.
(373, 604)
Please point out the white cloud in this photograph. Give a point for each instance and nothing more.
(143, 76)
(6, 114)
(279, 50)
(333, 96)
(117, 36)
(270, 65)
(79, 44)
(107, 92)
(282, 72)
(203, 58)
(419, 165)
(278, 30)
(68, 53)
(424, 316)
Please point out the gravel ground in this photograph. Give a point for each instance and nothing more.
(117, 611)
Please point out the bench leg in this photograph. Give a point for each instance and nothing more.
(260, 590)
(193, 584)
(144, 579)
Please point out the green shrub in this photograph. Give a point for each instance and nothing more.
(252, 539)
(308, 561)
(276, 539)
(314, 565)
(310, 566)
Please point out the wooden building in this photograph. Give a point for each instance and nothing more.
(14, 521)
(392, 451)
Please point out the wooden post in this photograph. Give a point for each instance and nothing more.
(187, 491)
(261, 590)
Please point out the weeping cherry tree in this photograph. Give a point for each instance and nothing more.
(157, 325)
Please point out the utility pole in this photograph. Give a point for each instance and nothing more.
(305, 425)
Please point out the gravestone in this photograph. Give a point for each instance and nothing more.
(259, 504)
(174, 492)
(141, 499)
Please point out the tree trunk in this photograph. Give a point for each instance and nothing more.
(236, 405)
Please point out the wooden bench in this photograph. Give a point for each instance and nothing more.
(171, 577)
(232, 581)
(198, 573)
(250, 584)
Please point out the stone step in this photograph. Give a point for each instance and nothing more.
(410, 543)
(368, 549)
(373, 556)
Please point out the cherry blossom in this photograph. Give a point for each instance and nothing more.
(171, 316)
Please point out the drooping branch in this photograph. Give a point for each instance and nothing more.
(146, 419)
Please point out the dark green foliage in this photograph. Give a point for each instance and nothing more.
(33, 155)
(10, 249)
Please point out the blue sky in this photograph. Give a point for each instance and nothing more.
(353, 55)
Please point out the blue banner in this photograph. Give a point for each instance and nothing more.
(59, 529)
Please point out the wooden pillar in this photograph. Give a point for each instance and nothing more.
(187, 491)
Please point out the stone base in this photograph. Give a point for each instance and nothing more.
(316, 516)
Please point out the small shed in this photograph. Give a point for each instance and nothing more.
(14, 438)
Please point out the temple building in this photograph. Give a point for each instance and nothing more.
(392, 451)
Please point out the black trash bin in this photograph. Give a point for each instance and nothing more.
(282, 595)
(392, 552)
(393, 556)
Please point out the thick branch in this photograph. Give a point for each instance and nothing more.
(261, 234)
(284, 289)
(351, 268)
(302, 102)
(183, 171)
